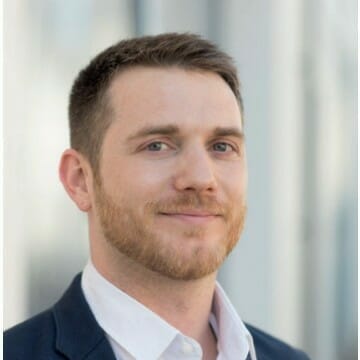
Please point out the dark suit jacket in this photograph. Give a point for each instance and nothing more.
(69, 330)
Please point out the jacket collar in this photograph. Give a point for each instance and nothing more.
(78, 335)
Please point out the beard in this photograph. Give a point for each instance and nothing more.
(132, 231)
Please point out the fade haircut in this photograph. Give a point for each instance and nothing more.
(89, 110)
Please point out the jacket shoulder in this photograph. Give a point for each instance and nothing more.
(31, 339)
(268, 347)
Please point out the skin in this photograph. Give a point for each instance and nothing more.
(200, 160)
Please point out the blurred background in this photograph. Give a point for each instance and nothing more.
(294, 272)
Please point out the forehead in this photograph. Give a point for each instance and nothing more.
(189, 99)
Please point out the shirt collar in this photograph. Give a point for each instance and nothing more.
(121, 317)
(233, 337)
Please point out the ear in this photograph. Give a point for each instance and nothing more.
(75, 172)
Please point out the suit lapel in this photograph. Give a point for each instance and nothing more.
(78, 334)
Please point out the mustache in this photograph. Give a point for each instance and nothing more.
(184, 202)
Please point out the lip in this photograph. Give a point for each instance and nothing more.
(192, 216)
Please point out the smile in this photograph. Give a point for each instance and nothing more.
(192, 217)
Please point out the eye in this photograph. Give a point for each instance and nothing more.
(222, 147)
(157, 146)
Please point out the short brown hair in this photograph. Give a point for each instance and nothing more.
(88, 111)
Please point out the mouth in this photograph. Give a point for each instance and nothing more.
(192, 216)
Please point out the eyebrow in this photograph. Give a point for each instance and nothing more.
(229, 131)
(175, 130)
(155, 130)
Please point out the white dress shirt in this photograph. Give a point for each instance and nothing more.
(135, 332)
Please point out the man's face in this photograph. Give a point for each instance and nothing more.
(172, 188)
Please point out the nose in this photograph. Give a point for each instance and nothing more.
(195, 171)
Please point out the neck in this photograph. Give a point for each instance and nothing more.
(185, 304)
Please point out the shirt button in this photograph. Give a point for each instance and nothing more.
(187, 348)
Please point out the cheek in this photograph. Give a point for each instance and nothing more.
(151, 177)
(134, 182)
(233, 182)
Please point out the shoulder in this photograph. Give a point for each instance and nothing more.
(268, 347)
(31, 339)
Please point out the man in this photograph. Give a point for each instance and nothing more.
(158, 163)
